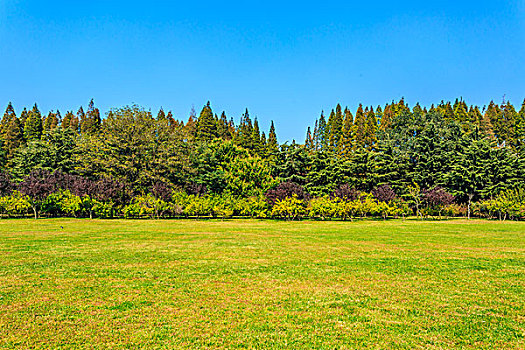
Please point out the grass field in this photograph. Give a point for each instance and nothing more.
(261, 284)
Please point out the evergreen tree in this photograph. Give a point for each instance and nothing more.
(322, 129)
(223, 128)
(386, 119)
(245, 132)
(206, 125)
(370, 128)
(347, 136)
(493, 118)
(309, 142)
(335, 128)
(190, 129)
(161, 116)
(51, 121)
(520, 129)
(12, 136)
(273, 145)
(92, 121)
(8, 116)
(256, 138)
(33, 126)
(360, 127)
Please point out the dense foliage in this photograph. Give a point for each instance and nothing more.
(451, 159)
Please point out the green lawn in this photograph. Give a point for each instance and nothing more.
(261, 284)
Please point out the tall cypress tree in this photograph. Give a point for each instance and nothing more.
(494, 116)
(206, 125)
(370, 128)
(33, 125)
(273, 145)
(386, 119)
(223, 129)
(322, 133)
(8, 116)
(360, 127)
(347, 136)
(51, 121)
(92, 121)
(335, 128)
(256, 137)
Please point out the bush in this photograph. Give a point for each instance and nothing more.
(290, 208)
(15, 204)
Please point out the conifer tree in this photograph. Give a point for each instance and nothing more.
(474, 115)
(335, 127)
(347, 136)
(23, 117)
(92, 121)
(161, 116)
(360, 127)
(308, 142)
(223, 129)
(256, 137)
(206, 125)
(244, 131)
(386, 119)
(460, 112)
(273, 145)
(50, 122)
(190, 129)
(33, 126)
(322, 133)
(12, 136)
(520, 128)
(264, 145)
(370, 128)
(493, 115)
(8, 116)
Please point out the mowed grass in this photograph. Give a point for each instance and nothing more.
(261, 284)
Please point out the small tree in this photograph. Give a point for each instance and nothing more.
(285, 190)
(384, 193)
(37, 186)
(437, 198)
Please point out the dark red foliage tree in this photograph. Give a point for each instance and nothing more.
(38, 185)
(346, 193)
(161, 190)
(384, 193)
(6, 186)
(437, 198)
(285, 190)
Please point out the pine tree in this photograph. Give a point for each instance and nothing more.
(460, 112)
(308, 142)
(322, 133)
(370, 128)
(223, 129)
(493, 116)
(161, 116)
(347, 136)
(386, 119)
(8, 116)
(256, 138)
(509, 117)
(264, 145)
(190, 129)
(273, 145)
(335, 128)
(360, 127)
(33, 126)
(23, 117)
(520, 128)
(50, 122)
(12, 136)
(206, 125)
(92, 121)
(244, 132)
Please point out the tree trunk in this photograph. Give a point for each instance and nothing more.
(35, 211)
(470, 196)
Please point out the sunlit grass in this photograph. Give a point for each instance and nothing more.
(261, 284)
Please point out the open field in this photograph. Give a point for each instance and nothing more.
(261, 284)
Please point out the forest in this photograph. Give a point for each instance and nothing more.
(450, 159)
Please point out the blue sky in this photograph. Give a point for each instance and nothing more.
(283, 61)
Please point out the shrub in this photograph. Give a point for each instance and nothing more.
(289, 208)
(285, 190)
(15, 204)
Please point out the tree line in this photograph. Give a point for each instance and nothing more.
(396, 160)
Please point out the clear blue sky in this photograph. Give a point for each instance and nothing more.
(285, 61)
